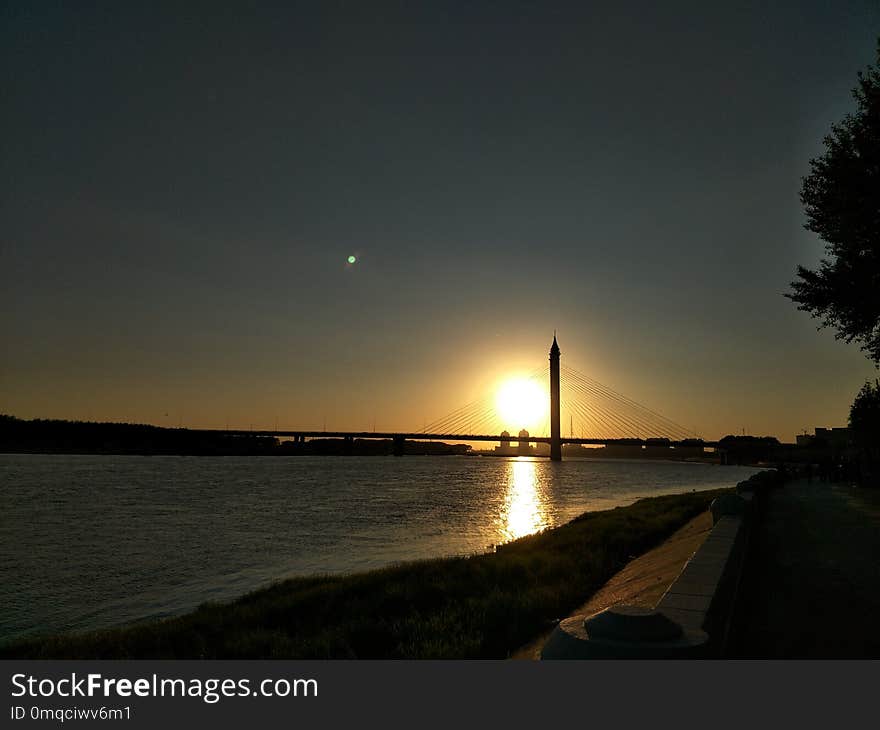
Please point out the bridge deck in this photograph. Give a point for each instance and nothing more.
(458, 437)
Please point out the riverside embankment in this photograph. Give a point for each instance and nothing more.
(483, 606)
(642, 582)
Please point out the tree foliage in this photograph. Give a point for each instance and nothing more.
(841, 198)
(864, 417)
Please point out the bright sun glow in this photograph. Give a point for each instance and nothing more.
(521, 403)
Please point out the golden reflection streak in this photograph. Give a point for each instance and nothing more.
(524, 511)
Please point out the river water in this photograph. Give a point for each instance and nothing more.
(94, 541)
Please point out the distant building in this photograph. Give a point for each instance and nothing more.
(504, 447)
(523, 447)
(835, 438)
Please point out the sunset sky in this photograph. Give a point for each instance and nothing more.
(181, 190)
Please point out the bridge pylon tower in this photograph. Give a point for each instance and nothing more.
(555, 434)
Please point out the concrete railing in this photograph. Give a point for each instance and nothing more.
(693, 617)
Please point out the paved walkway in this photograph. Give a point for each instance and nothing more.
(812, 585)
(643, 581)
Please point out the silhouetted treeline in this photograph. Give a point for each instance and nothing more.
(40, 436)
(85, 437)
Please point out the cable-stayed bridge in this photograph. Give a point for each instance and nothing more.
(590, 413)
(597, 416)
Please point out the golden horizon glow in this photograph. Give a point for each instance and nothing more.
(521, 403)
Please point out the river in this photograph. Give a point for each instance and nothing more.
(95, 541)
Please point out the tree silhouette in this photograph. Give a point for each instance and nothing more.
(841, 198)
(864, 415)
(864, 425)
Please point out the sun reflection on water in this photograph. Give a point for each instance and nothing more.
(524, 511)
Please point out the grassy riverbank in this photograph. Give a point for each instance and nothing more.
(483, 606)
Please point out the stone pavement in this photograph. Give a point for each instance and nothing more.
(811, 587)
(643, 581)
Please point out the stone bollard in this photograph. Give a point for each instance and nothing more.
(624, 632)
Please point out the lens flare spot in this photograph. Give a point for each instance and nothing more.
(352, 259)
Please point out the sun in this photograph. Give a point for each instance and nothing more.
(521, 403)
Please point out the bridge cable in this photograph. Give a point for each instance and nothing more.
(667, 422)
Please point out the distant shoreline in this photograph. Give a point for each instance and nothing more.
(39, 436)
(18, 436)
(470, 455)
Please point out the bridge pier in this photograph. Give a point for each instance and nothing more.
(399, 443)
